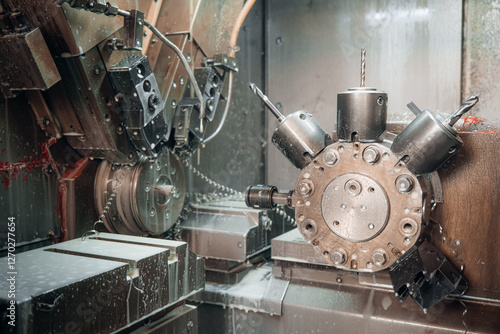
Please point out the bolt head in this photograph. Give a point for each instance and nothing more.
(404, 183)
(305, 188)
(371, 155)
(338, 256)
(330, 157)
(379, 258)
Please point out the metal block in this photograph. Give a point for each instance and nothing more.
(230, 231)
(183, 319)
(141, 103)
(426, 275)
(292, 247)
(134, 30)
(26, 63)
(100, 284)
(100, 119)
(258, 291)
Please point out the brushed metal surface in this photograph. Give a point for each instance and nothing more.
(480, 60)
(413, 53)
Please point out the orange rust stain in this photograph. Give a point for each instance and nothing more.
(472, 120)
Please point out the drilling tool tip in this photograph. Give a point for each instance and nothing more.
(465, 107)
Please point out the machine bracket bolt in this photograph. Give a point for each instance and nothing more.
(330, 157)
(305, 188)
(379, 258)
(338, 256)
(371, 155)
(404, 183)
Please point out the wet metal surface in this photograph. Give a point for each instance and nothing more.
(106, 282)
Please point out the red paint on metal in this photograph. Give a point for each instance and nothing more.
(76, 171)
(26, 165)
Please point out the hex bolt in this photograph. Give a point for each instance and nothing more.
(404, 183)
(305, 188)
(371, 155)
(338, 256)
(330, 157)
(379, 258)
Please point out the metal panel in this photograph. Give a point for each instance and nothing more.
(29, 189)
(340, 307)
(99, 284)
(258, 291)
(413, 53)
(235, 157)
(481, 49)
(470, 212)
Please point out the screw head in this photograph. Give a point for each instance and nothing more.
(330, 157)
(404, 183)
(338, 256)
(371, 155)
(379, 258)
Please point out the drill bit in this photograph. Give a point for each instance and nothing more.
(363, 65)
(466, 106)
(266, 101)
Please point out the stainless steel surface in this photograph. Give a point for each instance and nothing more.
(351, 210)
(426, 143)
(300, 138)
(228, 230)
(106, 282)
(257, 292)
(414, 53)
(361, 114)
(481, 44)
(347, 304)
(356, 207)
(140, 199)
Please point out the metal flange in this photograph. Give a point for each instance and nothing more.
(356, 216)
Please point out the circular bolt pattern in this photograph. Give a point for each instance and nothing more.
(404, 183)
(338, 256)
(353, 188)
(305, 188)
(330, 157)
(371, 155)
(379, 258)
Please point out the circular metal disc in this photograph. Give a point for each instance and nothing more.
(146, 198)
(355, 207)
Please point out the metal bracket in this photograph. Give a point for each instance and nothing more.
(134, 30)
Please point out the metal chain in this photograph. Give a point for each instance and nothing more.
(231, 192)
(210, 181)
